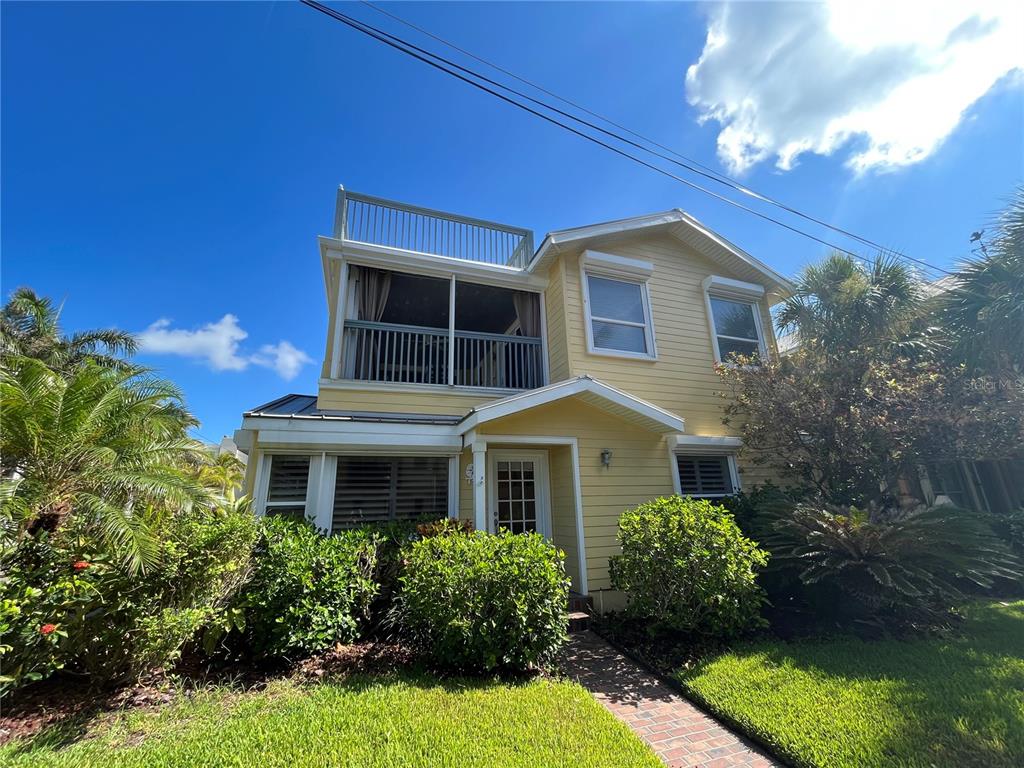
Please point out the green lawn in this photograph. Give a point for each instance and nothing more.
(401, 721)
(928, 702)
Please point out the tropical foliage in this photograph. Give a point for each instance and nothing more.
(685, 566)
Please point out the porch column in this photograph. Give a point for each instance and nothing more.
(479, 485)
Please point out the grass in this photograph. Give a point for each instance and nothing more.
(955, 701)
(399, 720)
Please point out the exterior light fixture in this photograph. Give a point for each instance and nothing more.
(606, 457)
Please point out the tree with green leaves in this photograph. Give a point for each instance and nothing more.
(30, 327)
(102, 447)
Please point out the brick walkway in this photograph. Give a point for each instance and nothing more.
(679, 733)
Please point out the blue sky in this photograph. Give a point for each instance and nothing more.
(175, 162)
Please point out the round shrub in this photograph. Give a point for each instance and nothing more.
(685, 566)
(481, 602)
(308, 591)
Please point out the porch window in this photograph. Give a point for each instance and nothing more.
(286, 489)
(705, 476)
(371, 489)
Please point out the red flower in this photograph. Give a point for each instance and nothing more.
(47, 629)
(81, 565)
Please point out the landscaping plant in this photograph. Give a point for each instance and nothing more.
(482, 602)
(686, 566)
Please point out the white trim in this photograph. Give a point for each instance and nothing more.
(354, 442)
(704, 444)
(453, 485)
(573, 443)
(480, 485)
(617, 265)
(554, 241)
(339, 321)
(380, 386)
(726, 286)
(587, 269)
(583, 384)
(260, 482)
(542, 486)
(451, 331)
(542, 298)
(413, 262)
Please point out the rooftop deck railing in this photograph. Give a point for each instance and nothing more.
(376, 221)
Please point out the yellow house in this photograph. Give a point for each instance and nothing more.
(467, 374)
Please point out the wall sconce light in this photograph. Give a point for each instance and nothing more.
(606, 457)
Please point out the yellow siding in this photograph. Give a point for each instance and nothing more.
(563, 509)
(385, 401)
(465, 487)
(639, 470)
(554, 308)
(682, 379)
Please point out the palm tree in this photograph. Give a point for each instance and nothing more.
(30, 327)
(841, 307)
(984, 308)
(102, 448)
(224, 472)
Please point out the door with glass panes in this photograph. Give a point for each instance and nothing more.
(519, 498)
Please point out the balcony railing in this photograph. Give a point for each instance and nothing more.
(376, 221)
(408, 354)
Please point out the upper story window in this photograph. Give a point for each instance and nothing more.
(734, 318)
(618, 306)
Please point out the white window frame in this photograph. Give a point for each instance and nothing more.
(313, 481)
(623, 270)
(727, 289)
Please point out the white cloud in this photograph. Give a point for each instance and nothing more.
(892, 78)
(283, 358)
(219, 346)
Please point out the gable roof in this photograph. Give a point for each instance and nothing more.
(682, 226)
(586, 389)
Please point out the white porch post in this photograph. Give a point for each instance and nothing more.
(480, 485)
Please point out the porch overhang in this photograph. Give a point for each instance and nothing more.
(587, 390)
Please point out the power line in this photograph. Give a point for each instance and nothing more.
(687, 162)
(415, 52)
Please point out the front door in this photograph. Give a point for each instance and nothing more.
(519, 497)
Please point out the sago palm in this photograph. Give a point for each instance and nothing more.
(30, 327)
(102, 447)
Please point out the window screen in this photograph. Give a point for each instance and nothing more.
(618, 315)
(704, 475)
(735, 328)
(370, 489)
(286, 490)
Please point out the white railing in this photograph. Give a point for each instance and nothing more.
(376, 221)
(408, 354)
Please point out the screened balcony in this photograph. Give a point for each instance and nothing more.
(400, 330)
(376, 221)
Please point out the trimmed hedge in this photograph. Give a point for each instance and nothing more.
(685, 566)
(482, 602)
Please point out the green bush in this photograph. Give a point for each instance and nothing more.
(309, 591)
(904, 572)
(482, 602)
(66, 603)
(685, 566)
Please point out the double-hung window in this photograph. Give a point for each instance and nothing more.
(618, 309)
(734, 317)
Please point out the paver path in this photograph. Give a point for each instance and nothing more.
(680, 733)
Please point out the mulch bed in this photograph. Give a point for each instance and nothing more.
(65, 705)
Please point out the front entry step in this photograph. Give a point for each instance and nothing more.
(580, 610)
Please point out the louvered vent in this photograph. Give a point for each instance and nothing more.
(371, 489)
(704, 475)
